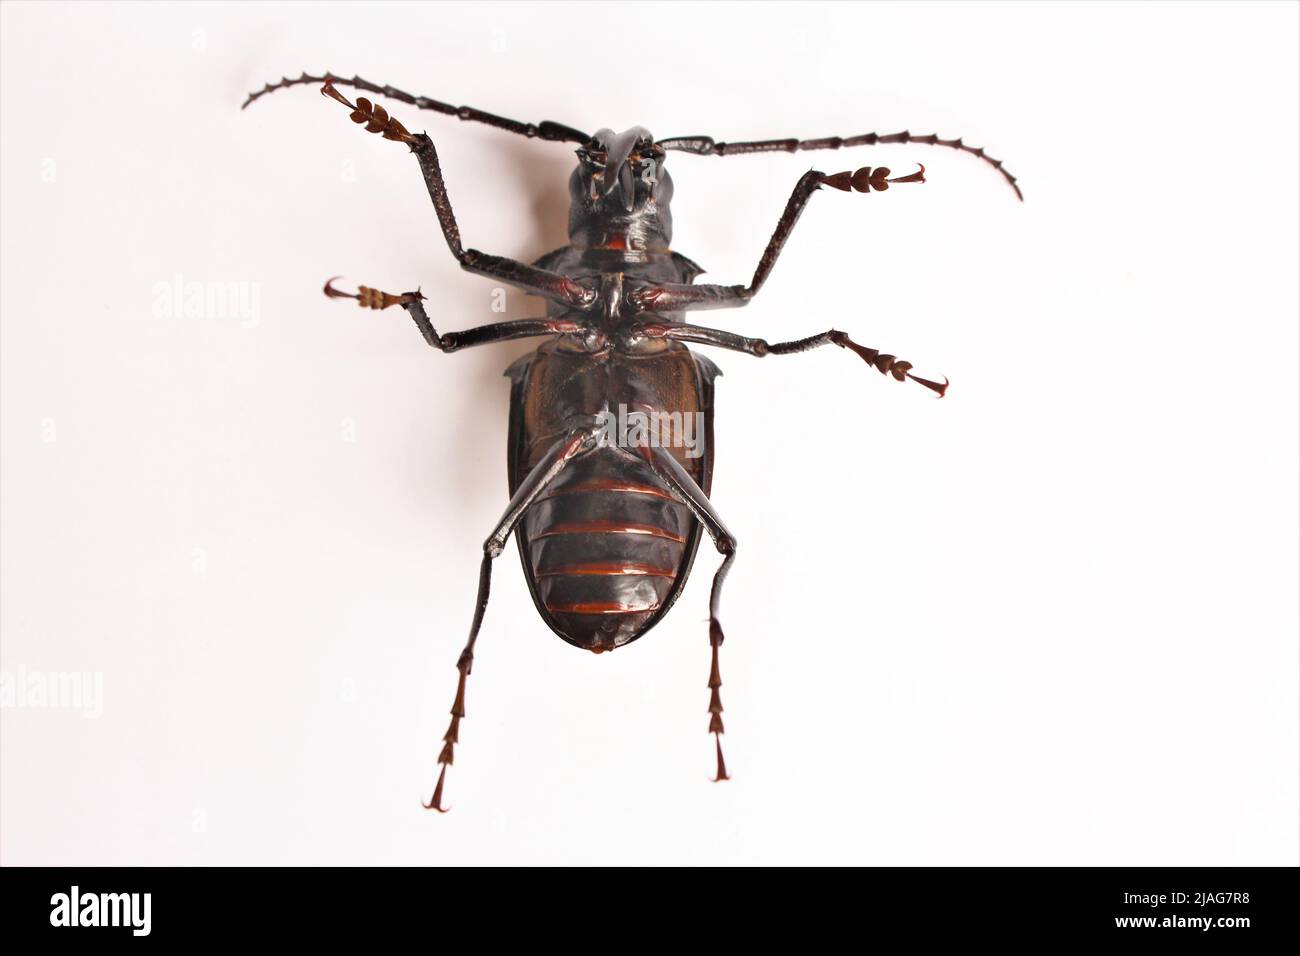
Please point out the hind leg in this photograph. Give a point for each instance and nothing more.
(686, 491)
(559, 455)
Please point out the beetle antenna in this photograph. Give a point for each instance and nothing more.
(706, 146)
(547, 130)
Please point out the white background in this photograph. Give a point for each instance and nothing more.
(1051, 619)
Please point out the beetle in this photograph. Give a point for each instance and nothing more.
(607, 526)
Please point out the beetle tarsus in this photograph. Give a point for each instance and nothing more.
(868, 178)
(374, 116)
(937, 388)
(435, 802)
(887, 364)
(452, 737)
(916, 177)
(722, 766)
(715, 697)
(369, 298)
(334, 293)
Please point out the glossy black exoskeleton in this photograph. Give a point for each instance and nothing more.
(611, 419)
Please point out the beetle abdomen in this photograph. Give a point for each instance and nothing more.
(606, 544)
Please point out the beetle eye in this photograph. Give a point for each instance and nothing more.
(592, 157)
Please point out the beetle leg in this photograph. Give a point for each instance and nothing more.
(685, 490)
(413, 303)
(554, 462)
(886, 364)
(558, 288)
(677, 297)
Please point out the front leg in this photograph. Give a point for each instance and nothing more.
(413, 303)
(883, 362)
(676, 297)
(552, 285)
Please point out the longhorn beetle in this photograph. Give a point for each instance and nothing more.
(607, 526)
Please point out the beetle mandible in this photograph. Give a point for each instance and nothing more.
(607, 526)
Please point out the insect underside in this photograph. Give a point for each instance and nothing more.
(610, 452)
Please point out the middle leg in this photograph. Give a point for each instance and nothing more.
(413, 303)
(883, 362)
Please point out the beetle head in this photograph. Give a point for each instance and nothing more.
(620, 192)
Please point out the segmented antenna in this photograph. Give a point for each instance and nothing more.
(707, 146)
(547, 130)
